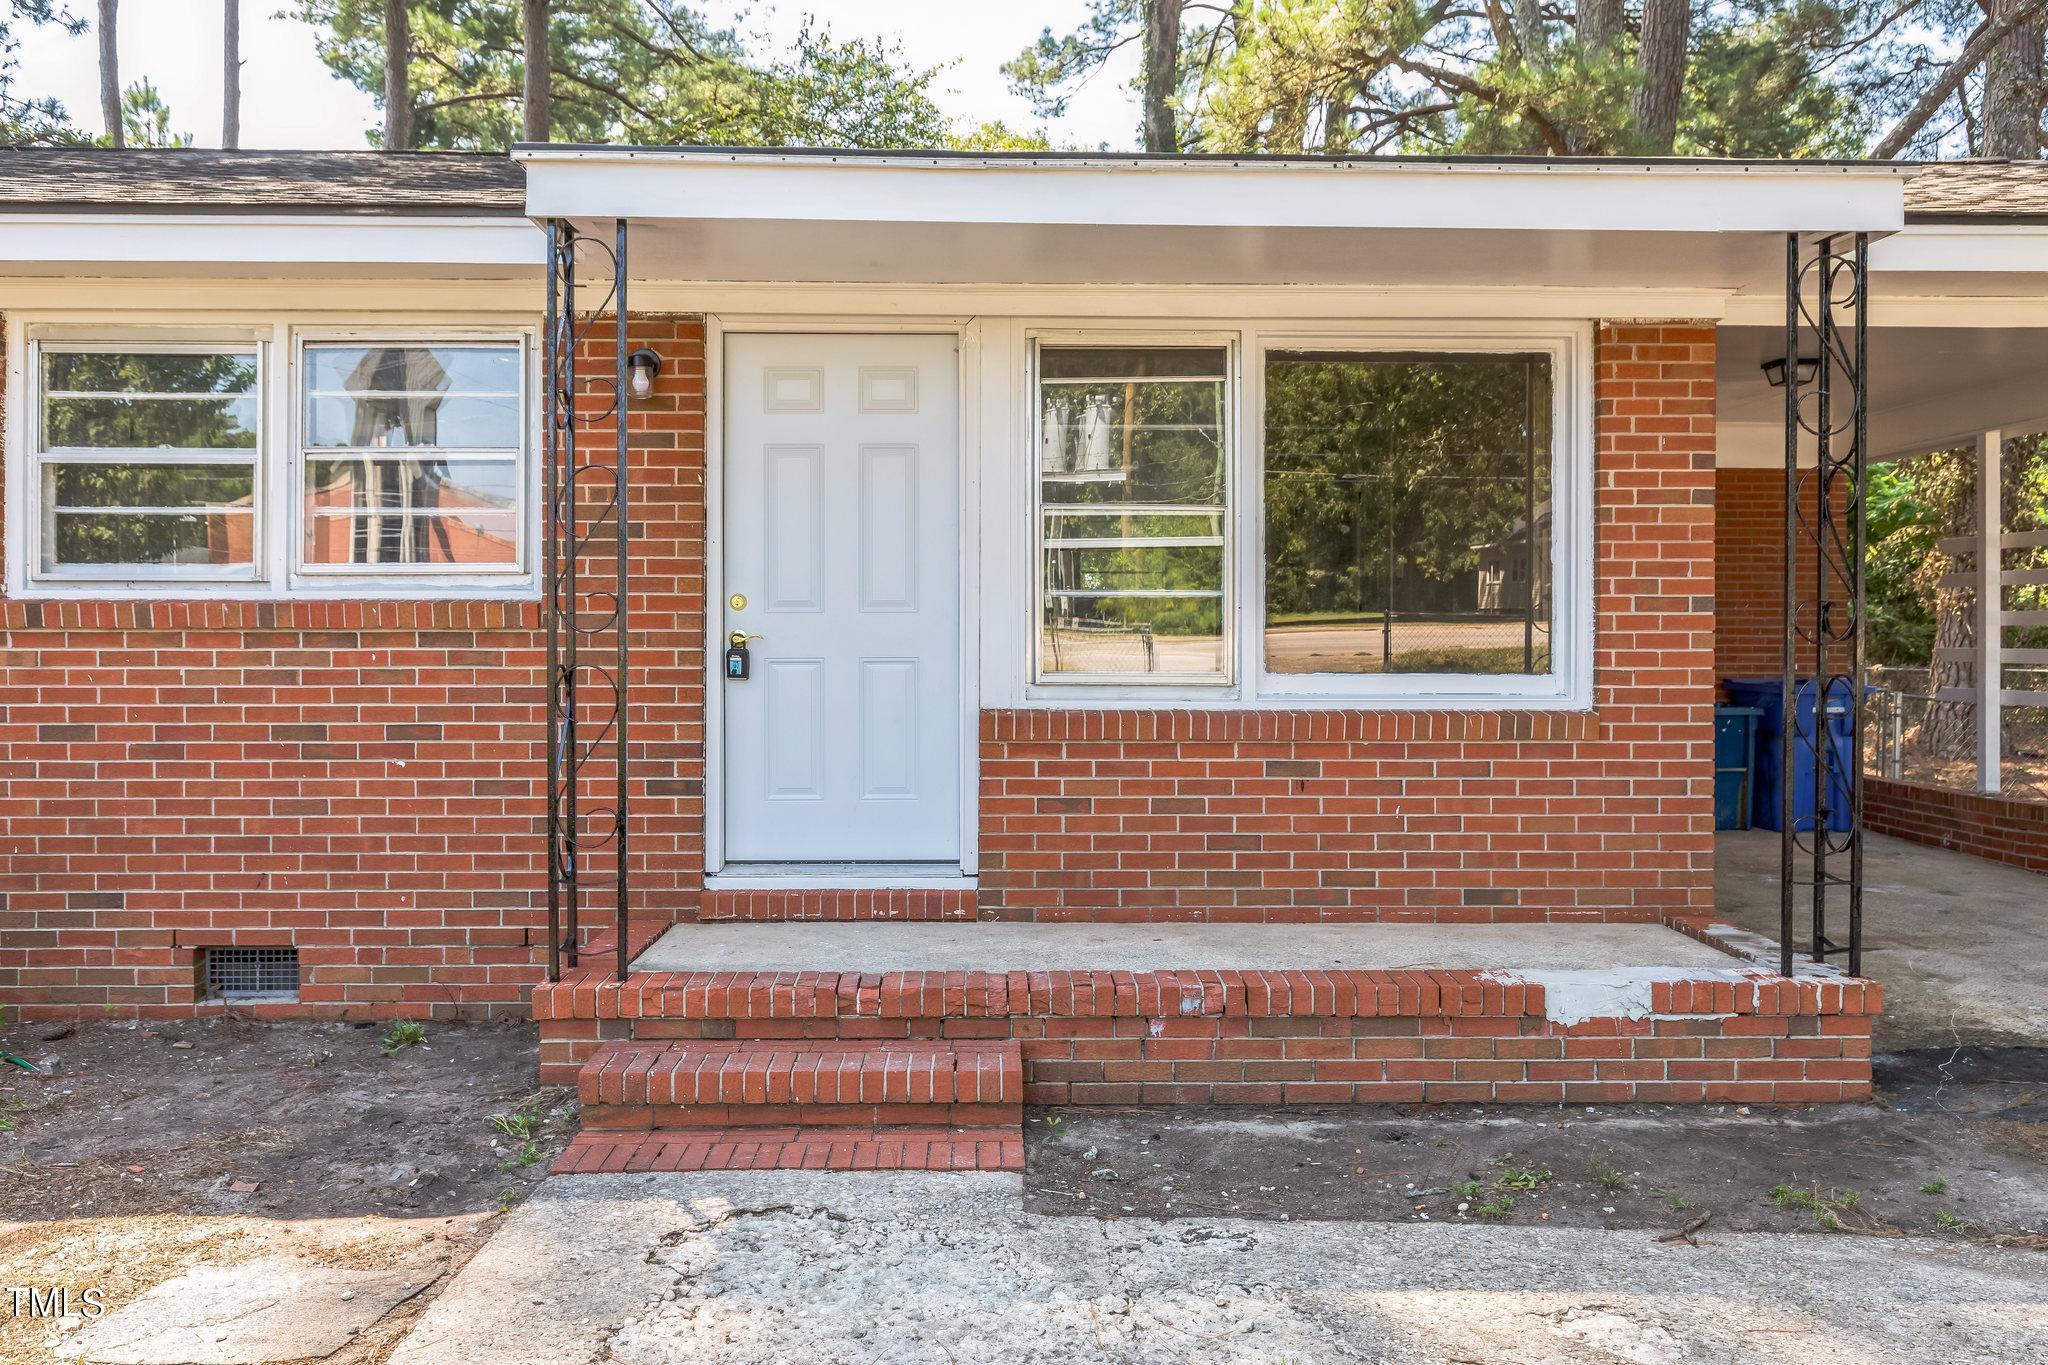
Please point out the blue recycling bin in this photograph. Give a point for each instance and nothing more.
(1735, 730)
(1766, 792)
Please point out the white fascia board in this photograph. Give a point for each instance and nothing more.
(1961, 248)
(282, 239)
(1552, 196)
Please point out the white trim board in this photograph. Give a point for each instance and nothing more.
(1537, 195)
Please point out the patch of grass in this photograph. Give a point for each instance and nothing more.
(1496, 1208)
(1948, 1222)
(402, 1034)
(529, 1153)
(519, 1126)
(1826, 1209)
(1609, 1179)
(8, 1109)
(1680, 1203)
(1514, 1177)
(1935, 1186)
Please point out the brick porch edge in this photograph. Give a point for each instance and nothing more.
(1739, 1034)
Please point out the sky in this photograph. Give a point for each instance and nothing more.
(289, 99)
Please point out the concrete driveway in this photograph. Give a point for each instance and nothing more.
(805, 1266)
(1961, 944)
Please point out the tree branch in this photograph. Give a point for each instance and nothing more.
(1969, 59)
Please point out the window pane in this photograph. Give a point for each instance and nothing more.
(413, 369)
(411, 512)
(110, 372)
(150, 538)
(150, 423)
(377, 421)
(1121, 362)
(148, 485)
(1132, 451)
(463, 397)
(1135, 635)
(1407, 514)
(453, 540)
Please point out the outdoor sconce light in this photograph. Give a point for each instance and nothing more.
(641, 367)
(1774, 370)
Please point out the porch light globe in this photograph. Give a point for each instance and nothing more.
(641, 368)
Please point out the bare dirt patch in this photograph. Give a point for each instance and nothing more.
(1957, 1147)
(148, 1149)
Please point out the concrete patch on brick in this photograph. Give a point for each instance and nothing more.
(1573, 997)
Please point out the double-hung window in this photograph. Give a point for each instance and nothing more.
(267, 462)
(147, 461)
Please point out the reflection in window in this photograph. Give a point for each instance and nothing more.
(146, 460)
(413, 455)
(1408, 520)
(1131, 505)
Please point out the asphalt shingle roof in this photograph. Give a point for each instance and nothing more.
(2009, 191)
(196, 180)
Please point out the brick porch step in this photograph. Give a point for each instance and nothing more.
(794, 1149)
(629, 1085)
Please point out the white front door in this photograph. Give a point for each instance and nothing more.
(842, 535)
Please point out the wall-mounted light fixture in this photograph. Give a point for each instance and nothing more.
(1774, 370)
(641, 368)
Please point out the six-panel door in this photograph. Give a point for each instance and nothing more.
(841, 532)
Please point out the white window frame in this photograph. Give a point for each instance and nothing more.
(1567, 687)
(527, 479)
(277, 573)
(1147, 685)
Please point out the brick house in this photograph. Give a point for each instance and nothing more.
(1254, 625)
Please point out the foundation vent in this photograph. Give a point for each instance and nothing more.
(252, 973)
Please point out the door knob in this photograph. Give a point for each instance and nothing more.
(739, 639)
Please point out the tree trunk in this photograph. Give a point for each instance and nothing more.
(1529, 31)
(397, 77)
(231, 74)
(1600, 24)
(2013, 88)
(534, 26)
(1666, 25)
(110, 74)
(1162, 73)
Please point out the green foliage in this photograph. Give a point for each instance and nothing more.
(146, 119)
(402, 1034)
(1753, 87)
(1902, 530)
(633, 71)
(30, 120)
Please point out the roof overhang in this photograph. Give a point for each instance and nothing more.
(926, 218)
(62, 243)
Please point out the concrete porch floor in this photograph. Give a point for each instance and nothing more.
(877, 947)
(1961, 944)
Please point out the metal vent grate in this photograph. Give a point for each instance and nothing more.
(237, 973)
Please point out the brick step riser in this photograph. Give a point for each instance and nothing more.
(682, 1117)
(1747, 1059)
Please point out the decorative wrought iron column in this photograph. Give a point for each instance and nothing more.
(1826, 415)
(584, 601)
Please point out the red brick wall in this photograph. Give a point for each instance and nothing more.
(1995, 827)
(1365, 815)
(363, 779)
(1749, 573)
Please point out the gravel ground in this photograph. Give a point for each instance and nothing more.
(800, 1266)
